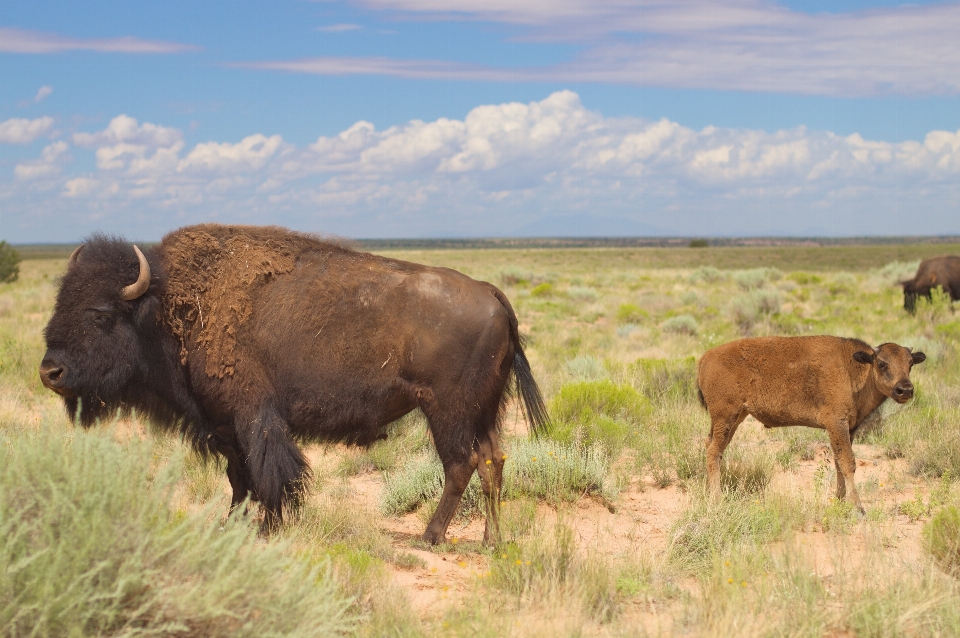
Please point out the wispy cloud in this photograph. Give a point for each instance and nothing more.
(42, 93)
(409, 69)
(339, 28)
(749, 45)
(14, 40)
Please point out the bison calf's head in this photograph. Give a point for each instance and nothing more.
(891, 366)
(94, 341)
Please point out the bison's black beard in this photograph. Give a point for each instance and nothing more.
(92, 408)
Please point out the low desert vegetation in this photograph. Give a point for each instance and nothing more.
(606, 524)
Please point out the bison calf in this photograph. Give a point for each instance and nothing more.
(823, 382)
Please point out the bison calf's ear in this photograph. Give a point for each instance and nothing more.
(919, 357)
(863, 357)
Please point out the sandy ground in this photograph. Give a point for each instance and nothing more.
(640, 523)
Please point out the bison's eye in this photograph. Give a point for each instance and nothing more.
(101, 318)
(882, 365)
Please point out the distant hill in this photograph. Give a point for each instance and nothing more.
(53, 251)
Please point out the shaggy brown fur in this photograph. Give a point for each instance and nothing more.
(822, 382)
(941, 271)
(213, 274)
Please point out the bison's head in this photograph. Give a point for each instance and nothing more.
(96, 336)
(891, 369)
(910, 294)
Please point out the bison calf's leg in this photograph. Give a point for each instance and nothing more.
(456, 476)
(490, 464)
(723, 425)
(845, 462)
(841, 483)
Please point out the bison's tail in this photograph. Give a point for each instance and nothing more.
(533, 406)
(528, 390)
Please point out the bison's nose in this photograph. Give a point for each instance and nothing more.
(51, 374)
(903, 391)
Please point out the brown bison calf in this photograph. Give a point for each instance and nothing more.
(830, 383)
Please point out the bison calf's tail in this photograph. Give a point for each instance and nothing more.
(700, 396)
(529, 392)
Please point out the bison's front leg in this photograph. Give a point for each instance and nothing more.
(276, 467)
(845, 462)
(224, 443)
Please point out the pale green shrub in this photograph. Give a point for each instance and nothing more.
(627, 329)
(555, 471)
(707, 274)
(583, 293)
(941, 537)
(586, 368)
(689, 297)
(91, 546)
(681, 324)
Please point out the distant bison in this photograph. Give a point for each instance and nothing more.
(822, 382)
(937, 271)
(248, 339)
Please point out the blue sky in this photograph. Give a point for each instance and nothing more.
(466, 118)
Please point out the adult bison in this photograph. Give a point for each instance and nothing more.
(248, 339)
(941, 271)
(822, 382)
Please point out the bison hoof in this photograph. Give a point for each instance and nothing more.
(432, 537)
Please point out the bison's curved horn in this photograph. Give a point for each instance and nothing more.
(137, 288)
(74, 255)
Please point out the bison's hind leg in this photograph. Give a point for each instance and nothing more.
(725, 418)
(466, 441)
(277, 468)
(490, 462)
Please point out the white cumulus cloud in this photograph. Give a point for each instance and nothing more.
(23, 131)
(250, 154)
(546, 167)
(49, 164)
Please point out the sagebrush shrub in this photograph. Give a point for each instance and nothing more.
(941, 537)
(707, 274)
(681, 324)
(586, 368)
(583, 293)
(90, 545)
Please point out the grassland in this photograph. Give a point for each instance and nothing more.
(122, 531)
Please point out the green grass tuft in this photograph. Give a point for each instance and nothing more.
(597, 412)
